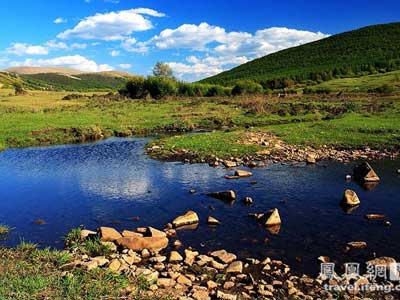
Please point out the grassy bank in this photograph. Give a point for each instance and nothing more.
(29, 273)
(352, 120)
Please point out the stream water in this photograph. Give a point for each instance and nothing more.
(110, 182)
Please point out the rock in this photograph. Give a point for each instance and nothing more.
(211, 285)
(384, 261)
(247, 200)
(182, 279)
(128, 233)
(108, 234)
(177, 244)
(375, 217)
(228, 285)
(155, 232)
(39, 222)
(90, 265)
(110, 245)
(230, 164)
(357, 245)
(141, 243)
(235, 267)
(85, 233)
(364, 172)
(166, 282)
(225, 296)
(242, 173)
(188, 218)
(213, 221)
(201, 295)
(350, 198)
(100, 260)
(311, 158)
(273, 219)
(228, 195)
(224, 256)
(190, 256)
(175, 257)
(114, 266)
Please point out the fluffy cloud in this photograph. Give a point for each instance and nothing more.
(113, 25)
(196, 68)
(26, 49)
(224, 49)
(125, 66)
(73, 61)
(60, 20)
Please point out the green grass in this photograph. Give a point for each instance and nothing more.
(363, 83)
(219, 144)
(28, 273)
(358, 120)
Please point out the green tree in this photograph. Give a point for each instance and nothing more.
(163, 70)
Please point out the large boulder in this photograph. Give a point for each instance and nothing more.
(108, 234)
(273, 218)
(350, 198)
(189, 218)
(364, 172)
(139, 243)
(228, 195)
(242, 173)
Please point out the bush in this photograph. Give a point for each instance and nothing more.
(135, 88)
(159, 87)
(384, 89)
(216, 90)
(191, 89)
(247, 87)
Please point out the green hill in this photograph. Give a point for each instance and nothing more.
(63, 79)
(369, 50)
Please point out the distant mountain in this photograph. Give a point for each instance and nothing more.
(364, 51)
(65, 79)
(39, 70)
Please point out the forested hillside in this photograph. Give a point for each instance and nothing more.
(368, 50)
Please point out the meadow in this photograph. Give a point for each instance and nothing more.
(345, 120)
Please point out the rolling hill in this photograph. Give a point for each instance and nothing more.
(63, 79)
(364, 51)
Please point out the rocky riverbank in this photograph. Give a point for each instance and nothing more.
(161, 268)
(271, 150)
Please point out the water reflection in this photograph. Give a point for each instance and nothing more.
(110, 182)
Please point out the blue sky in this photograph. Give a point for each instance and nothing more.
(197, 38)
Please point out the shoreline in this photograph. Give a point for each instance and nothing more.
(156, 265)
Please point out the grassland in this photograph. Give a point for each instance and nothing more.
(29, 273)
(363, 83)
(348, 120)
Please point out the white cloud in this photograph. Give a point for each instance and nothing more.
(60, 21)
(73, 61)
(131, 45)
(115, 53)
(125, 66)
(112, 26)
(26, 49)
(197, 68)
(224, 49)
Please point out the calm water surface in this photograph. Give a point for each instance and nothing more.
(108, 183)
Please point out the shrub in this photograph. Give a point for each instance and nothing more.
(384, 89)
(247, 87)
(215, 90)
(159, 87)
(191, 89)
(135, 88)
